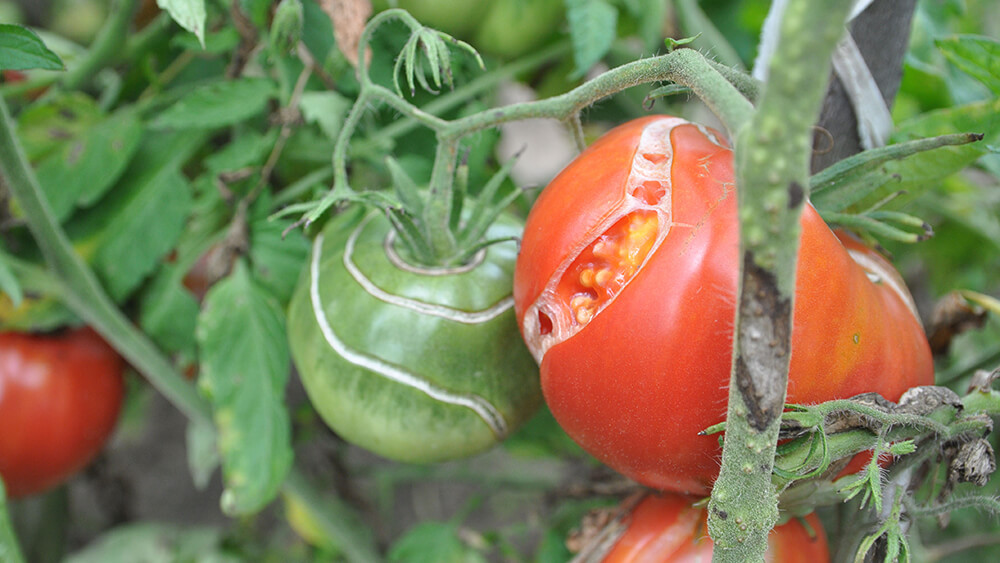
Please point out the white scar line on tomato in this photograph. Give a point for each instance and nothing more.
(442, 311)
(655, 139)
(877, 273)
(486, 411)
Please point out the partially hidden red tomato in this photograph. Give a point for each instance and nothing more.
(625, 291)
(668, 528)
(60, 395)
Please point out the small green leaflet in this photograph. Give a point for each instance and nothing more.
(202, 452)
(22, 49)
(85, 168)
(592, 29)
(245, 365)
(189, 14)
(219, 104)
(169, 312)
(327, 109)
(977, 56)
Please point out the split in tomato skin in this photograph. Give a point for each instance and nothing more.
(60, 396)
(636, 379)
(669, 528)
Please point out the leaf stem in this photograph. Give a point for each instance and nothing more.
(106, 46)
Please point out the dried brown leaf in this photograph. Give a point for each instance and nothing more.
(349, 18)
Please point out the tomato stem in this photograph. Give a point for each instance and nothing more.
(772, 165)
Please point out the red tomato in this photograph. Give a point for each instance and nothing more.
(59, 400)
(669, 529)
(625, 291)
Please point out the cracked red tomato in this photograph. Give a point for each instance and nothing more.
(625, 289)
(670, 528)
(60, 395)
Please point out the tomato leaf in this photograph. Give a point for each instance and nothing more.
(189, 14)
(433, 542)
(977, 56)
(221, 103)
(9, 284)
(155, 542)
(202, 451)
(592, 29)
(277, 258)
(22, 49)
(169, 313)
(246, 150)
(245, 365)
(141, 218)
(49, 124)
(326, 109)
(85, 168)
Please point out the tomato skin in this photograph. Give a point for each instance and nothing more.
(667, 528)
(636, 383)
(392, 378)
(60, 396)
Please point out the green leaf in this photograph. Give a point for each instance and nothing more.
(10, 552)
(22, 49)
(189, 14)
(169, 313)
(326, 109)
(592, 29)
(141, 218)
(246, 150)
(86, 167)
(245, 366)
(50, 123)
(203, 452)
(153, 543)
(221, 103)
(977, 56)
(276, 258)
(9, 284)
(433, 542)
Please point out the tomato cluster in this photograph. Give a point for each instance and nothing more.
(625, 292)
(672, 528)
(60, 395)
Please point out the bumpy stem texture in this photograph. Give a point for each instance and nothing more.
(772, 167)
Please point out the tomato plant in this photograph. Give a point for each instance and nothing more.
(437, 372)
(671, 528)
(625, 289)
(62, 392)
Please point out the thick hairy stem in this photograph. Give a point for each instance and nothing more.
(772, 171)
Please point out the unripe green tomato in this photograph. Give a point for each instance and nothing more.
(458, 18)
(516, 27)
(415, 365)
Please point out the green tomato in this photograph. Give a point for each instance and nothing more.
(516, 27)
(415, 365)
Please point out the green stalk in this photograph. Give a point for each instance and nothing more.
(106, 47)
(772, 175)
(10, 552)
